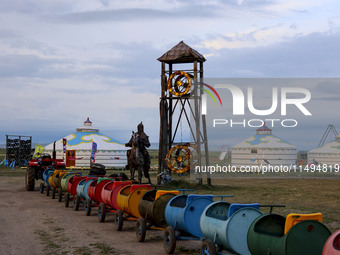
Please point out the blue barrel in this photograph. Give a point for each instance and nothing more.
(80, 187)
(46, 174)
(86, 188)
(183, 212)
(227, 225)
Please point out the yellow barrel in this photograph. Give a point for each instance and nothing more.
(128, 198)
(57, 179)
(55, 174)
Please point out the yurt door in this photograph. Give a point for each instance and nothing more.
(70, 158)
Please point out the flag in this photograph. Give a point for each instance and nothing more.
(94, 150)
(64, 145)
(38, 150)
(266, 161)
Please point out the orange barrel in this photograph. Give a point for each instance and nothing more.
(129, 196)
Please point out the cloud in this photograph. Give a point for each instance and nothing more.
(133, 14)
(303, 56)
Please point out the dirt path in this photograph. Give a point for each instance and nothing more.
(32, 223)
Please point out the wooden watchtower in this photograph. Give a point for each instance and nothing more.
(181, 102)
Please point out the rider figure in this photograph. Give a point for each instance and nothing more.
(145, 144)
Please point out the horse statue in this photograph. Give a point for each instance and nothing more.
(136, 160)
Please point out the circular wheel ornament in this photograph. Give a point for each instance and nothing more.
(179, 83)
(178, 159)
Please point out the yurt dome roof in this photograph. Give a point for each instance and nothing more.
(264, 139)
(328, 148)
(84, 136)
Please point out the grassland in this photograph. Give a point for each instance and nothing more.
(307, 193)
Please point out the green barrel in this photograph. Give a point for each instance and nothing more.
(64, 180)
(153, 210)
(266, 236)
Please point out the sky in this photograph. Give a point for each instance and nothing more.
(63, 61)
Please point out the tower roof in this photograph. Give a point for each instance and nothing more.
(181, 53)
(87, 127)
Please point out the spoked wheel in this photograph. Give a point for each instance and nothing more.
(101, 212)
(140, 230)
(208, 248)
(76, 202)
(67, 199)
(87, 207)
(53, 192)
(169, 240)
(119, 220)
(42, 187)
(48, 190)
(60, 195)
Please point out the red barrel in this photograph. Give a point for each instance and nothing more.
(91, 189)
(115, 191)
(74, 183)
(97, 196)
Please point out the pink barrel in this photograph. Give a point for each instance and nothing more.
(106, 193)
(332, 245)
(97, 196)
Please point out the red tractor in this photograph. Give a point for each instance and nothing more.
(36, 167)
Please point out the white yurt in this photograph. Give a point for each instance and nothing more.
(110, 152)
(329, 153)
(263, 149)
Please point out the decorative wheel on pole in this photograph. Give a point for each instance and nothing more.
(179, 158)
(179, 83)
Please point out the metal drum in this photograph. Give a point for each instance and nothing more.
(117, 186)
(227, 225)
(65, 179)
(266, 236)
(46, 174)
(106, 192)
(73, 183)
(129, 196)
(152, 206)
(183, 212)
(97, 192)
(87, 186)
(58, 178)
(332, 246)
(52, 177)
(81, 187)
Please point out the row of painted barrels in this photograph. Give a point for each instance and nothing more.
(238, 228)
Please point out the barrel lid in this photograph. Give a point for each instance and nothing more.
(192, 197)
(139, 186)
(163, 192)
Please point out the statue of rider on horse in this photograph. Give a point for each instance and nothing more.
(138, 156)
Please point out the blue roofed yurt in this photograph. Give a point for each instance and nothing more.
(110, 152)
(264, 148)
(328, 154)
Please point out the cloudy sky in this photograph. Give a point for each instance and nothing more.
(62, 61)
